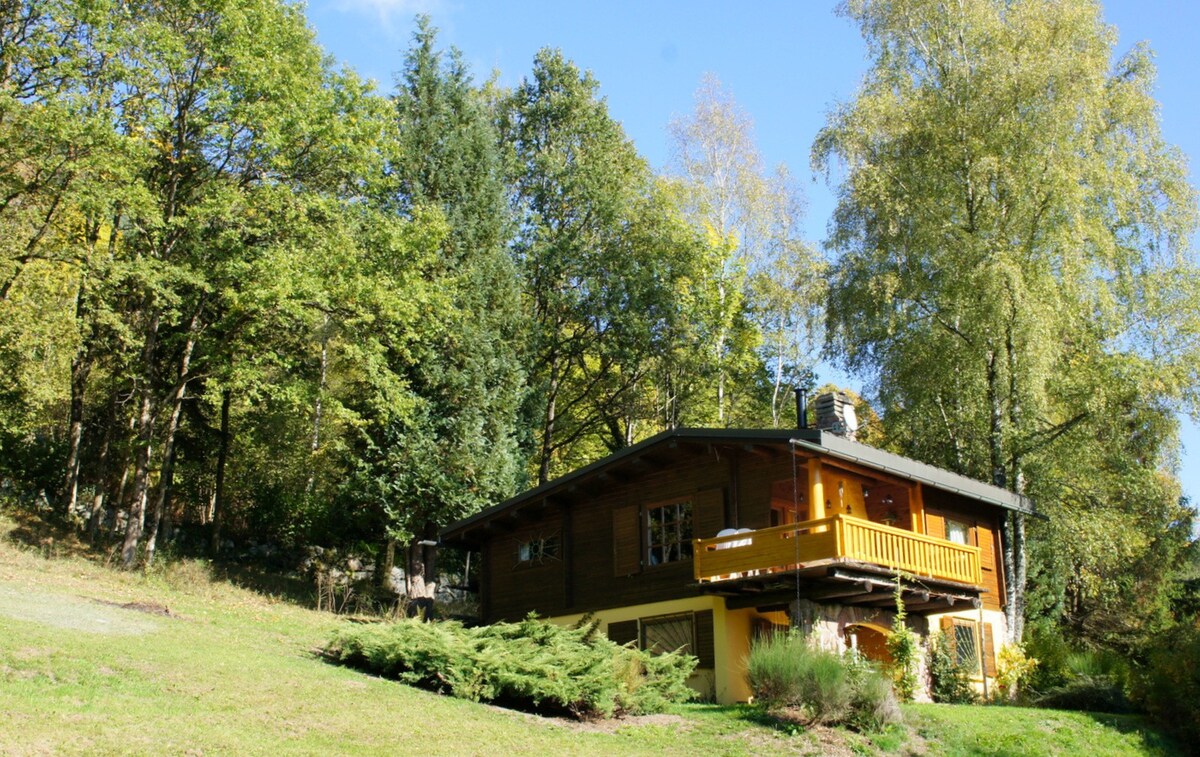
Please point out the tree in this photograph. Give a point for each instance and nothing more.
(765, 282)
(1011, 228)
(599, 279)
(457, 452)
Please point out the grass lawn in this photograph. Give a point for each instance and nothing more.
(96, 661)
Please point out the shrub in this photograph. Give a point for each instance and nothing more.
(531, 665)
(949, 680)
(1013, 666)
(1046, 643)
(902, 645)
(1170, 687)
(787, 673)
(1093, 681)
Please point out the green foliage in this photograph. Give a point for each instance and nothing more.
(786, 672)
(1068, 678)
(949, 680)
(1169, 687)
(1014, 253)
(531, 664)
(604, 261)
(1013, 667)
(904, 647)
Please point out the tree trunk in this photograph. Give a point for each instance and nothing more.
(103, 478)
(384, 564)
(81, 367)
(316, 429)
(548, 428)
(218, 515)
(1020, 571)
(141, 478)
(177, 397)
(421, 574)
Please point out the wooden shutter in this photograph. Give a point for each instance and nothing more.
(985, 538)
(989, 650)
(708, 512)
(627, 540)
(623, 632)
(935, 524)
(705, 648)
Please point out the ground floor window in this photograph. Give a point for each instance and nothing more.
(668, 634)
(689, 632)
(963, 637)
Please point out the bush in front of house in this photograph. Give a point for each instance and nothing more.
(531, 665)
(949, 680)
(794, 680)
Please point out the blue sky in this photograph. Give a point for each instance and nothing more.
(786, 63)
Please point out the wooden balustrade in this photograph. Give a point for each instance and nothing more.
(782, 548)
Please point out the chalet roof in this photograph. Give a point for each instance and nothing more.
(814, 440)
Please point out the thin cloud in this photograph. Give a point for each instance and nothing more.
(388, 11)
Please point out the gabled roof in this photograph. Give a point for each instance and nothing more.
(813, 440)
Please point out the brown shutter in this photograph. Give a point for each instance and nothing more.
(623, 632)
(708, 512)
(935, 524)
(947, 624)
(627, 540)
(705, 649)
(987, 546)
(989, 650)
(985, 538)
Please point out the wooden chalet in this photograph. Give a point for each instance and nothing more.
(702, 538)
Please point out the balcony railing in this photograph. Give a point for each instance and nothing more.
(840, 537)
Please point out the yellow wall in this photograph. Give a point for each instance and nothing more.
(703, 681)
(999, 632)
(844, 494)
(731, 640)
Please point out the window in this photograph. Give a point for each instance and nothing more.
(958, 532)
(537, 549)
(963, 636)
(691, 632)
(669, 532)
(668, 633)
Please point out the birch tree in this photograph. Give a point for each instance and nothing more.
(1010, 221)
(750, 218)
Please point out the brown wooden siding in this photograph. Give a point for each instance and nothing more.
(728, 487)
(983, 524)
(518, 588)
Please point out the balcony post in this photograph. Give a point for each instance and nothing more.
(816, 494)
(916, 499)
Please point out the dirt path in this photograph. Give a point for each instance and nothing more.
(73, 613)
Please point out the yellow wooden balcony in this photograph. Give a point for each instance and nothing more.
(840, 538)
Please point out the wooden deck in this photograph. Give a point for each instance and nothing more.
(841, 537)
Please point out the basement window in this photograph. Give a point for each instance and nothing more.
(668, 633)
(669, 532)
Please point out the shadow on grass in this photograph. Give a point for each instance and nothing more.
(50, 535)
(287, 587)
(1153, 740)
(54, 538)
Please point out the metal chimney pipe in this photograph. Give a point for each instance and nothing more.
(801, 408)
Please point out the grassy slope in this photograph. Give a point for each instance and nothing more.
(233, 672)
